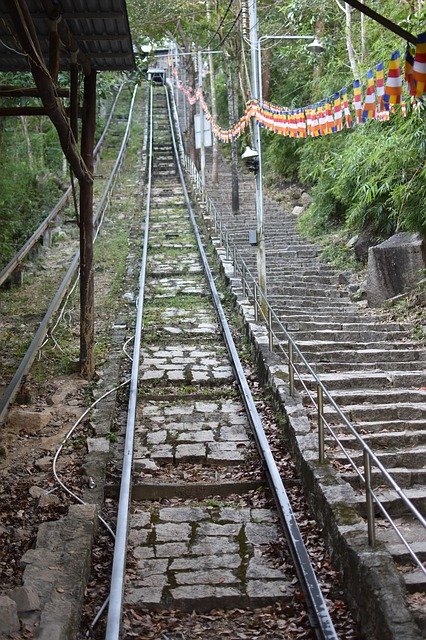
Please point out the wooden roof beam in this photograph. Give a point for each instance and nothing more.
(28, 39)
(9, 91)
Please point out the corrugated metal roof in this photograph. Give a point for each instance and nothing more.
(99, 27)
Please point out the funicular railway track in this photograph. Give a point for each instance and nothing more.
(196, 530)
(28, 312)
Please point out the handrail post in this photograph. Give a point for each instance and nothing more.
(234, 251)
(270, 335)
(369, 500)
(227, 245)
(320, 405)
(256, 304)
(243, 279)
(290, 368)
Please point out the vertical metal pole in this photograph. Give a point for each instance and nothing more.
(270, 336)
(256, 81)
(201, 114)
(290, 368)
(87, 324)
(243, 279)
(320, 403)
(369, 500)
(256, 305)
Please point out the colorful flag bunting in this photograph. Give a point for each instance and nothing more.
(419, 66)
(369, 108)
(393, 88)
(338, 115)
(409, 78)
(357, 101)
(346, 110)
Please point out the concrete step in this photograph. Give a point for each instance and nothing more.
(367, 379)
(405, 478)
(393, 503)
(375, 356)
(364, 413)
(345, 397)
(412, 459)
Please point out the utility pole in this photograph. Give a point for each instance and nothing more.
(255, 86)
(201, 115)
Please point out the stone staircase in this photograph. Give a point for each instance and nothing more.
(371, 367)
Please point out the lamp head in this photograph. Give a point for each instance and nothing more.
(251, 159)
(315, 46)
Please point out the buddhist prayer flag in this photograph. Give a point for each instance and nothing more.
(357, 101)
(393, 88)
(338, 114)
(346, 110)
(409, 78)
(380, 84)
(419, 66)
(369, 108)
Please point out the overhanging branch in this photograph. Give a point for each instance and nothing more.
(385, 22)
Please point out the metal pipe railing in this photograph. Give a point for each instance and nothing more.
(252, 289)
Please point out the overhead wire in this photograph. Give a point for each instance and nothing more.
(220, 23)
(232, 27)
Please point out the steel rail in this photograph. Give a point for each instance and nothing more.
(30, 243)
(26, 362)
(120, 547)
(257, 294)
(320, 618)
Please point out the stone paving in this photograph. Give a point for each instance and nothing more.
(197, 557)
(193, 439)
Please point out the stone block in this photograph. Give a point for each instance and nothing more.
(172, 532)
(212, 576)
(212, 545)
(234, 515)
(260, 589)
(9, 621)
(259, 570)
(143, 596)
(182, 514)
(29, 422)
(171, 549)
(139, 520)
(204, 563)
(190, 451)
(213, 529)
(152, 567)
(261, 533)
(98, 445)
(394, 266)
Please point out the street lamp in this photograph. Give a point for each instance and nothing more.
(256, 52)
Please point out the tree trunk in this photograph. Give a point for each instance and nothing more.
(24, 124)
(266, 74)
(349, 45)
(232, 91)
(363, 46)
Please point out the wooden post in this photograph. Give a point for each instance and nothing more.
(74, 95)
(87, 364)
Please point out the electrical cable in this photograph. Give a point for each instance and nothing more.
(220, 23)
(232, 27)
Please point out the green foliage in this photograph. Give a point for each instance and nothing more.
(372, 177)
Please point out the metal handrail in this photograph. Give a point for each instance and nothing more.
(25, 364)
(251, 286)
(30, 243)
